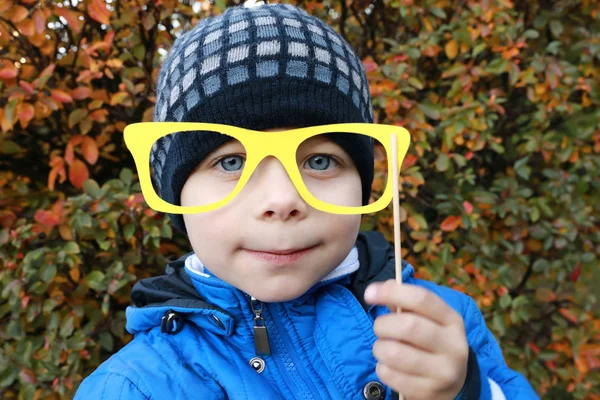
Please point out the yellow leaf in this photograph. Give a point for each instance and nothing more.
(451, 49)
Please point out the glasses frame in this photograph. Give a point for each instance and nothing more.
(140, 137)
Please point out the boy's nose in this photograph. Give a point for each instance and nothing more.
(276, 195)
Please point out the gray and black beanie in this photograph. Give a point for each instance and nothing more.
(260, 67)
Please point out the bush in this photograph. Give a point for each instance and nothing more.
(499, 193)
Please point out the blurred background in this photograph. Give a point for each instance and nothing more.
(500, 189)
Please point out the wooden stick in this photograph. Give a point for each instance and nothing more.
(396, 202)
(396, 206)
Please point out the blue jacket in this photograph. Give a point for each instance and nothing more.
(194, 338)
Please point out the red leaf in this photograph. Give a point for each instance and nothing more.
(8, 73)
(451, 223)
(61, 96)
(98, 11)
(46, 218)
(24, 302)
(575, 274)
(568, 315)
(409, 161)
(78, 173)
(39, 20)
(27, 376)
(81, 93)
(468, 207)
(90, 150)
(369, 65)
(27, 86)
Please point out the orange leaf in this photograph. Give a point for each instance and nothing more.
(90, 150)
(61, 96)
(450, 223)
(46, 218)
(39, 20)
(451, 49)
(71, 17)
(78, 173)
(58, 168)
(81, 93)
(75, 274)
(26, 28)
(99, 115)
(19, 13)
(25, 113)
(8, 73)
(98, 11)
(69, 153)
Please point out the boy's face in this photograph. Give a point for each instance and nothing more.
(268, 242)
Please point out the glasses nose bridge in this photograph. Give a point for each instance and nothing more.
(276, 144)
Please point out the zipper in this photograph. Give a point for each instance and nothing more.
(263, 348)
(261, 336)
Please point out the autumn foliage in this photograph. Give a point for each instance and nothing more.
(500, 189)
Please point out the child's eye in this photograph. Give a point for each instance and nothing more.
(232, 163)
(321, 162)
(228, 165)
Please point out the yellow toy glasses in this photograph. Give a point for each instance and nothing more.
(316, 166)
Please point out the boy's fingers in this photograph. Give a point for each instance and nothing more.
(411, 328)
(412, 298)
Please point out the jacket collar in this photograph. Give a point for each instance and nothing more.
(205, 299)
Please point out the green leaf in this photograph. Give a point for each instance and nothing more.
(76, 116)
(478, 49)
(413, 53)
(10, 147)
(67, 326)
(139, 51)
(126, 176)
(48, 272)
(71, 248)
(128, 231)
(415, 82)
(497, 66)
(505, 301)
(91, 187)
(430, 110)
(95, 278)
(556, 28)
(531, 34)
(106, 341)
(442, 162)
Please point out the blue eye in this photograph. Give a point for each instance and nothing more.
(232, 163)
(319, 162)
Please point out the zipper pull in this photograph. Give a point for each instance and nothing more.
(261, 338)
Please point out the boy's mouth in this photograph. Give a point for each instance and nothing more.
(280, 256)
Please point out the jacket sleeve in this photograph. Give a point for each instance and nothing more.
(109, 385)
(497, 380)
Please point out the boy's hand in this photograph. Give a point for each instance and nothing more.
(423, 351)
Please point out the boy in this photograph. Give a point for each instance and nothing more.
(279, 299)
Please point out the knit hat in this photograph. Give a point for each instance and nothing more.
(261, 67)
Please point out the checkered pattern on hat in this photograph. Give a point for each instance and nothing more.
(268, 42)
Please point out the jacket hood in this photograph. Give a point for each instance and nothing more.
(153, 297)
